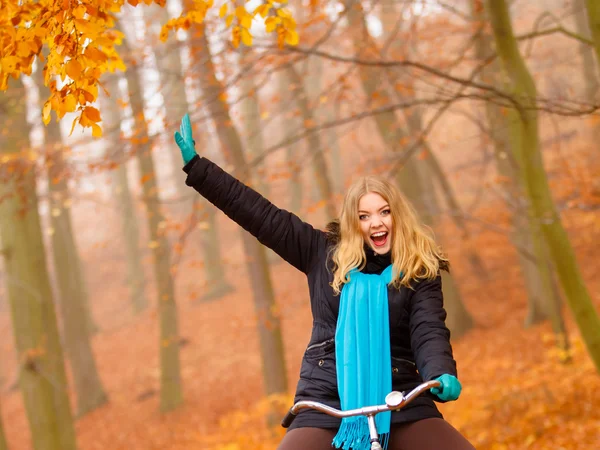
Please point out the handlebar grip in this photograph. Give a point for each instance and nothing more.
(288, 419)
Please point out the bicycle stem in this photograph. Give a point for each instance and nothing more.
(375, 444)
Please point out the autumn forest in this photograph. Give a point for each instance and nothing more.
(136, 315)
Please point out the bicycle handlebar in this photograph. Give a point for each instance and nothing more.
(393, 401)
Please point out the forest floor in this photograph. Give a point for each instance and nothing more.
(518, 394)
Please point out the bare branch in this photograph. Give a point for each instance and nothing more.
(559, 29)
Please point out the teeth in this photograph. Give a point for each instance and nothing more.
(381, 233)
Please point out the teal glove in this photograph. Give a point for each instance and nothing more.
(450, 387)
(184, 140)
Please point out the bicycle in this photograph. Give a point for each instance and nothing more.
(393, 401)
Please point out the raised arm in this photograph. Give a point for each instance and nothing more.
(430, 338)
(295, 241)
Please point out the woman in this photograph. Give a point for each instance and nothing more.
(376, 299)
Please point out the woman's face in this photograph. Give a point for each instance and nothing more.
(375, 220)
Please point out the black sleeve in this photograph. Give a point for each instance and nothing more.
(295, 241)
(429, 336)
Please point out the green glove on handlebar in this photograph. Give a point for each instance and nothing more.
(450, 387)
(184, 140)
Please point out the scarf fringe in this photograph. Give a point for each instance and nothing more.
(354, 435)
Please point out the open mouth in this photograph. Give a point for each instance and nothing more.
(380, 238)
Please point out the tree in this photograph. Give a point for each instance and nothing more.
(593, 14)
(409, 179)
(135, 277)
(3, 443)
(269, 327)
(590, 69)
(531, 169)
(72, 292)
(293, 150)
(430, 169)
(537, 270)
(81, 38)
(170, 68)
(42, 377)
(170, 372)
(317, 156)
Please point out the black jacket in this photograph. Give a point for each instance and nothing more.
(419, 337)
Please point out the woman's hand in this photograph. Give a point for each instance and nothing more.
(450, 388)
(184, 140)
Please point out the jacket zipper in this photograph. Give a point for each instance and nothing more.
(320, 344)
(405, 360)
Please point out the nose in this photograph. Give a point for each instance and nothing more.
(376, 222)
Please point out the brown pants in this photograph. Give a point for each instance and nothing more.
(426, 434)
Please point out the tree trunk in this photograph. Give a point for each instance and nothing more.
(214, 272)
(67, 263)
(529, 159)
(409, 178)
(313, 87)
(42, 377)
(72, 291)
(250, 118)
(431, 171)
(292, 151)
(269, 327)
(251, 121)
(535, 268)
(590, 73)
(170, 69)
(170, 371)
(458, 320)
(319, 164)
(593, 14)
(111, 119)
(3, 443)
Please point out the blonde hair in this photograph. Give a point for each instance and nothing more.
(414, 251)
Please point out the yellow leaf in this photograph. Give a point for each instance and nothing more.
(92, 114)
(246, 37)
(90, 92)
(235, 36)
(223, 10)
(73, 125)
(263, 10)
(282, 12)
(246, 21)
(240, 11)
(70, 103)
(79, 12)
(164, 34)
(95, 55)
(291, 37)
(96, 130)
(46, 112)
(228, 20)
(271, 23)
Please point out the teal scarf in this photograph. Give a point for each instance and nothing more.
(363, 357)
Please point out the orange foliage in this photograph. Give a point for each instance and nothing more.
(517, 392)
(82, 42)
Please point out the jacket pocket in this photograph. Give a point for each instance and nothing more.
(318, 368)
(320, 348)
(401, 366)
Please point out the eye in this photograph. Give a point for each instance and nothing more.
(385, 212)
(363, 217)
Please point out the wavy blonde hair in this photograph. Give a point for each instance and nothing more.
(414, 251)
